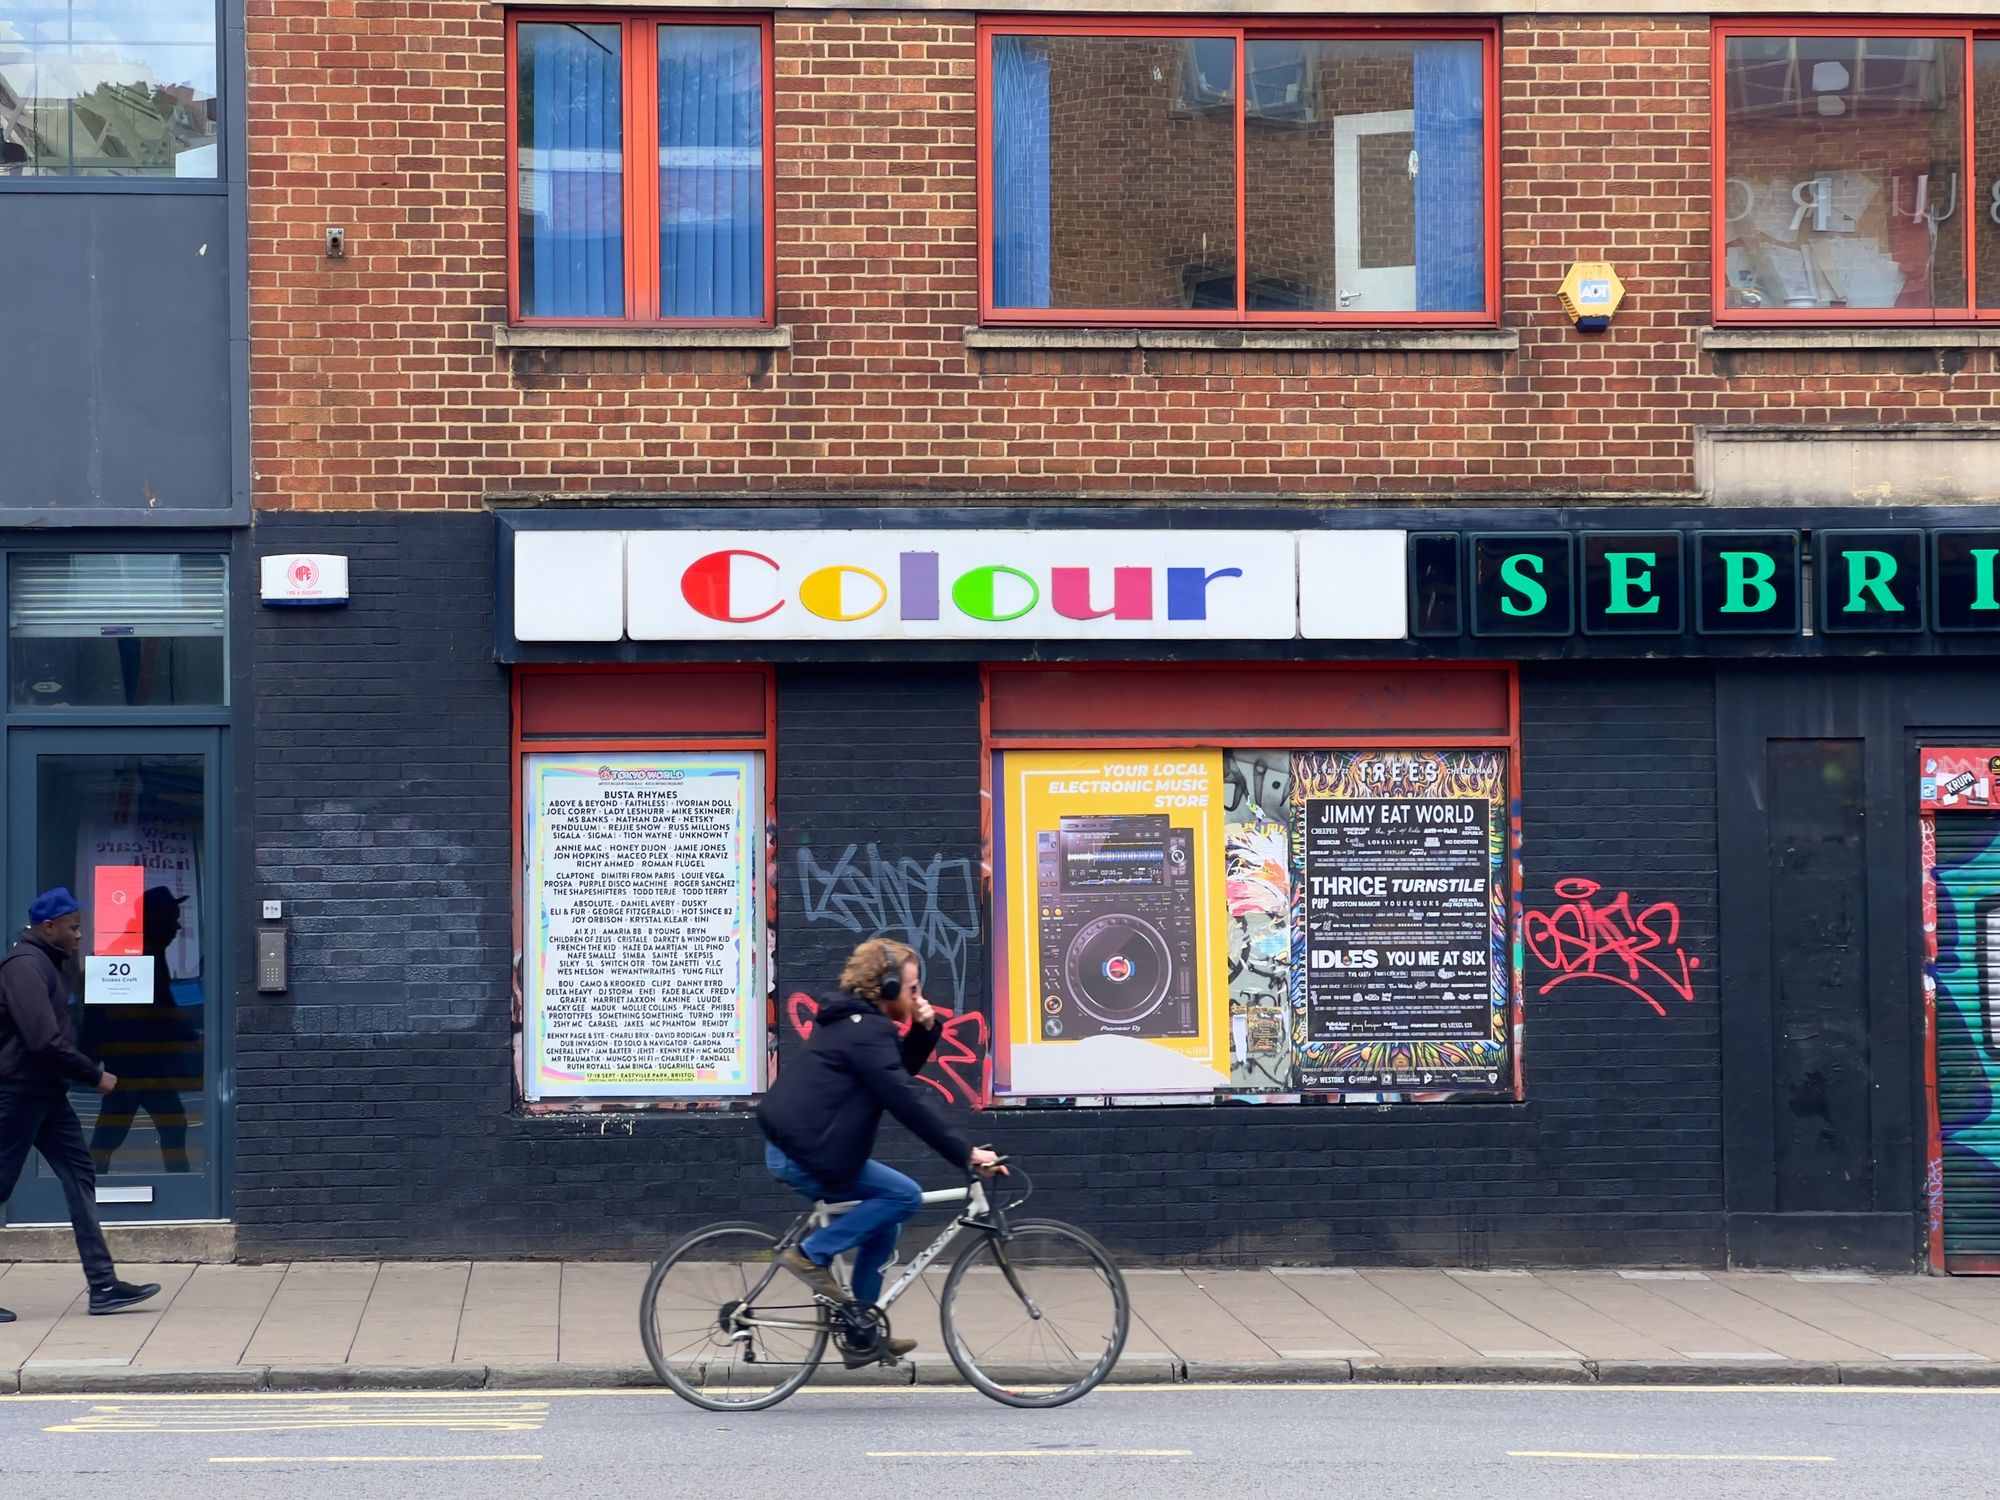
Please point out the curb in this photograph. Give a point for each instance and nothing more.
(85, 1378)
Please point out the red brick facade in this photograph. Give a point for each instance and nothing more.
(377, 383)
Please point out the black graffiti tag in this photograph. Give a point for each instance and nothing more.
(931, 904)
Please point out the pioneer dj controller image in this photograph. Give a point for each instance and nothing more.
(1117, 902)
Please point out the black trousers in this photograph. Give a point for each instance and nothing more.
(48, 1124)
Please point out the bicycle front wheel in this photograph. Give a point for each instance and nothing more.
(726, 1327)
(1036, 1318)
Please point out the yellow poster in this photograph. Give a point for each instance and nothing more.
(1117, 973)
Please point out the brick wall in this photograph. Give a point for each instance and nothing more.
(376, 383)
(375, 1100)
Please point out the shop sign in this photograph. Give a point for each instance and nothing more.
(958, 585)
(1867, 581)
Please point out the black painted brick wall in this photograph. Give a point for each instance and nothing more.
(376, 1098)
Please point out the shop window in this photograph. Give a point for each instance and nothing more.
(644, 893)
(1113, 191)
(641, 181)
(103, 90)
(117, 629)
(1266, 884)
(1858, 172)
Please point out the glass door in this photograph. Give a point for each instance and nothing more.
(128, 821)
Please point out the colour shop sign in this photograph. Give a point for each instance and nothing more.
(958, 585)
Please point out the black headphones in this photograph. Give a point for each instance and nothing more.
(890, 985)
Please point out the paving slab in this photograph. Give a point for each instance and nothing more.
(1778, 1331)
(118, 1337)
(1564, 1320)
(1186, 1318)
(1380, 1321)
(599, 1316)
(212, 1318)
(1272, 1309)
(1470, 1318)
(1638, 1305)
(314, 1314)
(38, 1296)
(513, 1310)
(1824, 1308)
(1964, 1326)
(413, 1315)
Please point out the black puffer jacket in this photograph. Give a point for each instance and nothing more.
(828, 1099)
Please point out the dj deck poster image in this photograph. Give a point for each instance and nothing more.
(1400, 966)
(1112, 873)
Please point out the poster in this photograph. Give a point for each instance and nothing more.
(164, 849)
(642, 937)
(1114, 929)
(1400, 968)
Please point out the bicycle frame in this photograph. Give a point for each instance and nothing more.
(978, 1216)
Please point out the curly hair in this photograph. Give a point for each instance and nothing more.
(861, 975)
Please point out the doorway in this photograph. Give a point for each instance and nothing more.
(128, 820)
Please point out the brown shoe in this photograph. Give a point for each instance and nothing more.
(885, 1351)
(814, 1275)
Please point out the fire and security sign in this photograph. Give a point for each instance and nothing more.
(310, 580)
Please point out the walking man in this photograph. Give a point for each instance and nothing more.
(38, 1062)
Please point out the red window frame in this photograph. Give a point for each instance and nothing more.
(641, 69)
(1242, 30)
(1078, 725)
(584, 733)
(1723, 32)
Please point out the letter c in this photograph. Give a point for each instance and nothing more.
(705, 586)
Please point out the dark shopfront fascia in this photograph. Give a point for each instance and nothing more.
(1705, 969)
(120, 680)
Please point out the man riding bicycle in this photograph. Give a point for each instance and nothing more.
(820, 1118)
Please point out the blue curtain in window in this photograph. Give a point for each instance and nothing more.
(711, 172)
(1450, 113)
(572, 187)
(1021, 235)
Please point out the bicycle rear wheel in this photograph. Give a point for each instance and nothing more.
(1037, 1318)
(725, 1327)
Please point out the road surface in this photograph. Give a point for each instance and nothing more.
(1508, 1443)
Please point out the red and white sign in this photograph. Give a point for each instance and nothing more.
(1959, 779)
(305, 578)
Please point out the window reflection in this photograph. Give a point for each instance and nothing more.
(1845, 172)
(108, 88)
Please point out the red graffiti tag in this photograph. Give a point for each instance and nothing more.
(960, 1054)
(1586, 938)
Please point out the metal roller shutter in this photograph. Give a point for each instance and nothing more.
(1968, 1036)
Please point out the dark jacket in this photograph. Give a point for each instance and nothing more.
(828, 1100)
(36, 1053)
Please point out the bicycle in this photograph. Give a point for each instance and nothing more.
(1042, 1300)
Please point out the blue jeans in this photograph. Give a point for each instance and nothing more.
(887, 1199)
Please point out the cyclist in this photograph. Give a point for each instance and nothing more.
(820, 1119)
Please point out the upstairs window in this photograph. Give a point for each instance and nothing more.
(1857, 171)
(1183, 172)
(640, 189)
(102, 90)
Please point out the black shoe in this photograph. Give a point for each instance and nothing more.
(119, 1296)
(886, 1351)
(5, 1316)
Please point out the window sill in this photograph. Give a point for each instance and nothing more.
(1476, 340)
(506, 337)
(1763, 340)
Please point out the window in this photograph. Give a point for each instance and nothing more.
(117, 629)
(104, 89)
(641, 181)
(1164, 172)
(1856, 172)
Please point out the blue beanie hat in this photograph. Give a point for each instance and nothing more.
(50, 905)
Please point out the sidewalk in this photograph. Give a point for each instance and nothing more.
(454, 1325)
